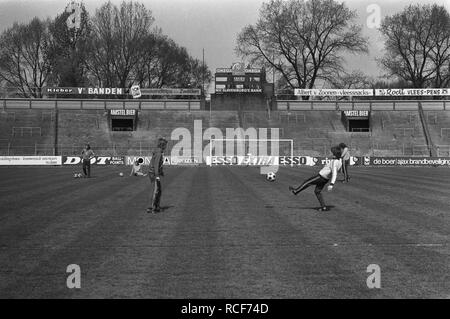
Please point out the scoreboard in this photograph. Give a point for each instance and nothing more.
(239, 79)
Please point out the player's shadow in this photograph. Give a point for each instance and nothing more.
(164, 209)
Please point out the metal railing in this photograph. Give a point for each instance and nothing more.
(445, 132)
(7, 116)
(403, 131)
(369, 105)
(443, 150)
(292, 117)
(191, 104)
(26, 131)
(434, 118)
(99, 104)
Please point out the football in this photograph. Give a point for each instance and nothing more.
(121, 174)
(271, 176)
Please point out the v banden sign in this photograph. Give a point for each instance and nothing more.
(134, 91)
(84, 90)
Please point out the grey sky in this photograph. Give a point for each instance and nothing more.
(211, 24)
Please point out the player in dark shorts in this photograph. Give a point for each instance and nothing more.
(327, 174)
(155, 173)
(87, 154)
(136, 169)
(345, 161)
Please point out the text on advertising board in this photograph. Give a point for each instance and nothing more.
(356, 113)
(123, 112)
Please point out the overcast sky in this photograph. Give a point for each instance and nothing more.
(212, 24)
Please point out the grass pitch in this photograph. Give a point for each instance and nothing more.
(224, 232)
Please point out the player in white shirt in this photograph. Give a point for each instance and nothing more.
(345, 161)
(327, 174)
(136, 168)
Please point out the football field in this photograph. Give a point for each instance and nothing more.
(224, 232)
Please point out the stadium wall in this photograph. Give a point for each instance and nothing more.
(368, 105)
(99, 104)
(257, 102)
(393, 133)
(239, 102)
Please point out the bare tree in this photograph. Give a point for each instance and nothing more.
(353, 80)
(199, 74)
(440, 42)
(117, 47)
(117, 44)
(69, 49)
(23, 60)
(100, 62)
(303, 40)
(146, 75)
(417, 44)
(166, 64)
(171, 60)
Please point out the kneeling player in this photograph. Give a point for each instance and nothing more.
(137, 167)
(320, 180)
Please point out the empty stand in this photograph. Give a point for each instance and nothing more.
(439, 128)
(23, 131)
(398, 133)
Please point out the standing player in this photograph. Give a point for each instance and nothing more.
(345, 161)
(155, 172)
(329, 171)
(137, 167)
(87, 154)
